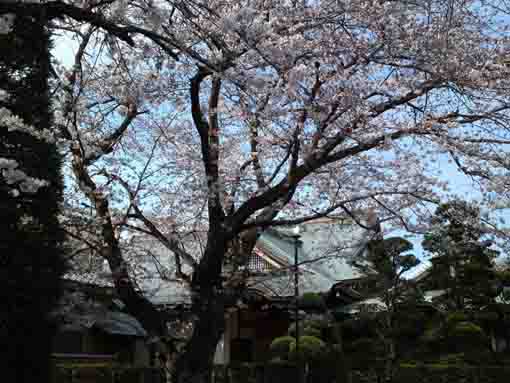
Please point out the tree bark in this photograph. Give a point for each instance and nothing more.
(194, 365)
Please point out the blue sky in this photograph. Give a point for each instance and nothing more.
(65, 49)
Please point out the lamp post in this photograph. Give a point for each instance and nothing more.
(297, 243)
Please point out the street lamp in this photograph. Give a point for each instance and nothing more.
(297, 243)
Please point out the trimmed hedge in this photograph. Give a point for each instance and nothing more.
(310, 348)
(106, 375)
(432, 373)
(452, 374)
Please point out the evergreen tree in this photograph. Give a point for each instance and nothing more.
(399, 315)
(31, 184)
(464, 268)
(463, 262)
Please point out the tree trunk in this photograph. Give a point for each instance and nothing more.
(194, 365)
(139, 306)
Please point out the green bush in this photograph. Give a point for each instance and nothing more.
(280, 347)
(442, 373)
(310, 348)
(106, 375)
(468, 331)
(453, 359)
(455, 317)
(431, 335)
(308, 328)
(467, 336)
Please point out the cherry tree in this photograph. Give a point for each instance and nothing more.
(224, 118)
(301, 110)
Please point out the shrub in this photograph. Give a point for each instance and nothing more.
(308, 328)
(455, 317)
(468, 331)
(466, 336)
(488, 316)
(310, 348)
(431, 335)
(312, 302)
(453, 359)
(365, 350)
(280, 347)
(362, 345)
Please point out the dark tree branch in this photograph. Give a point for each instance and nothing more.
(255, 160)
(107, 144)
(168, 240)
(60, 10)
(209, 138)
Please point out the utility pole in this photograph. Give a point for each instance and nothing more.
(297, 243)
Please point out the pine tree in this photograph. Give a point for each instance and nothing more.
(463, 261)
(31, 184)
(389, 259)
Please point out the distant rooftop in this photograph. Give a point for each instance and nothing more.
(326, 248)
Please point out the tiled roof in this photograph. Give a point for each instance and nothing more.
(323, 256)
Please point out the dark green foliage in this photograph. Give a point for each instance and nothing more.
(467, 336)
(312, 302)
(106, 375)
(463, 266)
(31, 256)
(390, 257)
(447, 374)
(363, 351)
(411, 321)
(495, 317)
(409, 373)
(455, 317)
(463, 263)
(389, 332)
(280, 347)
(310, 348)
(467, 330)
(309, 327)
(458, 333)
(431, 337)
